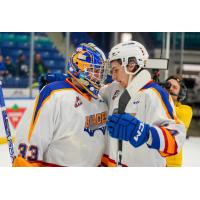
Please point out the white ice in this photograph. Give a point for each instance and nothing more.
(191, 153)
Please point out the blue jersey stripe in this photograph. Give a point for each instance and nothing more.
(47, 90)
(164, 95)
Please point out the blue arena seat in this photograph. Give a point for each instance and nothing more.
(50, 63)
(7, 44)
(15, 82)
(23, 45)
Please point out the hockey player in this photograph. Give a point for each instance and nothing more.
(69, 118)
(147, 130)
(178, 90)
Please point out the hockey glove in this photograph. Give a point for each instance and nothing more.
(127, 127)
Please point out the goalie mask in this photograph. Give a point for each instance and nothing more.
(88, 66)
(128, 53)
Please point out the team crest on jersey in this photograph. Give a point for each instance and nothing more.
(95, 122)
(78, 102)
(116, 94)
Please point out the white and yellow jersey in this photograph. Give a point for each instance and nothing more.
(152, 105)
(67, 129)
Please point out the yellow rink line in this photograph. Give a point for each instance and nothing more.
(3, 140)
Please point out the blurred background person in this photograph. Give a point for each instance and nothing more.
(2, 67)
(178, 91)
(22, 67)
(10, 67)
(39, 67)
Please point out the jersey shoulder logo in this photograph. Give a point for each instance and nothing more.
(78, 102)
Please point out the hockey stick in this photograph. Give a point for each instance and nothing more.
(136, 84)
(6, 124)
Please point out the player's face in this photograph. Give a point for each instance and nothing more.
(119, 74)
(131, 67)
(174, 89)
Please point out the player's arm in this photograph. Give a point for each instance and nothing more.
(167, 132)
(164, 132)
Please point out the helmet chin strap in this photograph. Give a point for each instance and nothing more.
(130, 74)
(130, 78)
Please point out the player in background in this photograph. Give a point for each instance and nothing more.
(69, 118)
(149, 127)
(178, 90)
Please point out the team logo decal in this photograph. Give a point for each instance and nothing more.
(95, 122)
(15, 114)
(116, 94)
(78, 102)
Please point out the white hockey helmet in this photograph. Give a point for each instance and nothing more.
(126, 50)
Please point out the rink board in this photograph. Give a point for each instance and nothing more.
(18, 110)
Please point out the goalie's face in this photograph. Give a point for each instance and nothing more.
(96, 74)
(119, 74)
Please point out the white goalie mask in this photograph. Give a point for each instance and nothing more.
(129, 50)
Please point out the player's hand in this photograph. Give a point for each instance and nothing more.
(127, 127)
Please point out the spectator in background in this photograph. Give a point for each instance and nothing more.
(2, 67)
(22, 67)
(39, 67)
(177, 90)
(10, 67)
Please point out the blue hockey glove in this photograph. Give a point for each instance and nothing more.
(127, 127)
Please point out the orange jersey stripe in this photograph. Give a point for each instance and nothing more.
(79, 91)
(106, 161)
(21, 162)
(170, 143)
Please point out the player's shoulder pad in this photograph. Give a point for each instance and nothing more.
(46, 92)
(57, 85)
(162, 94)
(54, 86)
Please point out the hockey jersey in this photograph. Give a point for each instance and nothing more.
(152, 105)
(67, 129)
